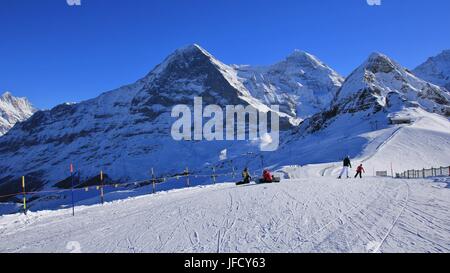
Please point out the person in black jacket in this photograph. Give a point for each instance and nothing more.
(347, 165)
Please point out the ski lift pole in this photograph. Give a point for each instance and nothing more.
(71, 188)
(24, 196)
(102, 194)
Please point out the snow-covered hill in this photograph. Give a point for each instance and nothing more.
(299, 215)
(13, 110)
(436, 70)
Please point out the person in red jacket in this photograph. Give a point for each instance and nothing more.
(267, 176)
(359, 171)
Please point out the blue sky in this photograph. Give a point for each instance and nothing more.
(53, 53)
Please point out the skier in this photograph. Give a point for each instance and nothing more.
(347, 165)
(267, 176)
(246, 176)
(359, 171)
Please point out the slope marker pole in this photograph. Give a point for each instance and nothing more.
(24, 196)
(153, 181)
(71, 188)
(187, 177)
(214, 175)
(102, 197)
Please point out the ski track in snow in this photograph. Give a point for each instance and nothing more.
(301, 215)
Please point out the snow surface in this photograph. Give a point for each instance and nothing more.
(297, 215)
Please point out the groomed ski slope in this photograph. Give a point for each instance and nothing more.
(300, 215)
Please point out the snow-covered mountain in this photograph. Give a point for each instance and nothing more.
(126, 132)
(381, 84)
(380, 79)
(436, 70)
(13, 110)
(378, 93)
(301, 84)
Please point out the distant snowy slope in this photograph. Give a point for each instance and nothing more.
(13, 110)
(424, 144)
(436, 70)
(302, 84)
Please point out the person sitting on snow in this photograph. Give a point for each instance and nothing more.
(246, 176)
(359, 171)
(267, 176)
(347, 165)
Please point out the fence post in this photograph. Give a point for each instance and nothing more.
(441, 171)
(423, 172)
(24, 196)
(187, 177)
(102, 197)
(153, 181)
(71, 188)
(214, 175)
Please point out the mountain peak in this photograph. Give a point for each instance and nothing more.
(379, 57)
(378, 62)
(7, 94)
(193, 48)
(303, 57)
(183, 55)
(13, 110)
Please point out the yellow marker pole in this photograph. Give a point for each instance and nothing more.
(101, 188)
(24, 196)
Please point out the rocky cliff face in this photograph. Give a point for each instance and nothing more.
(382, 85)
(13, 110)
(436, 70)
